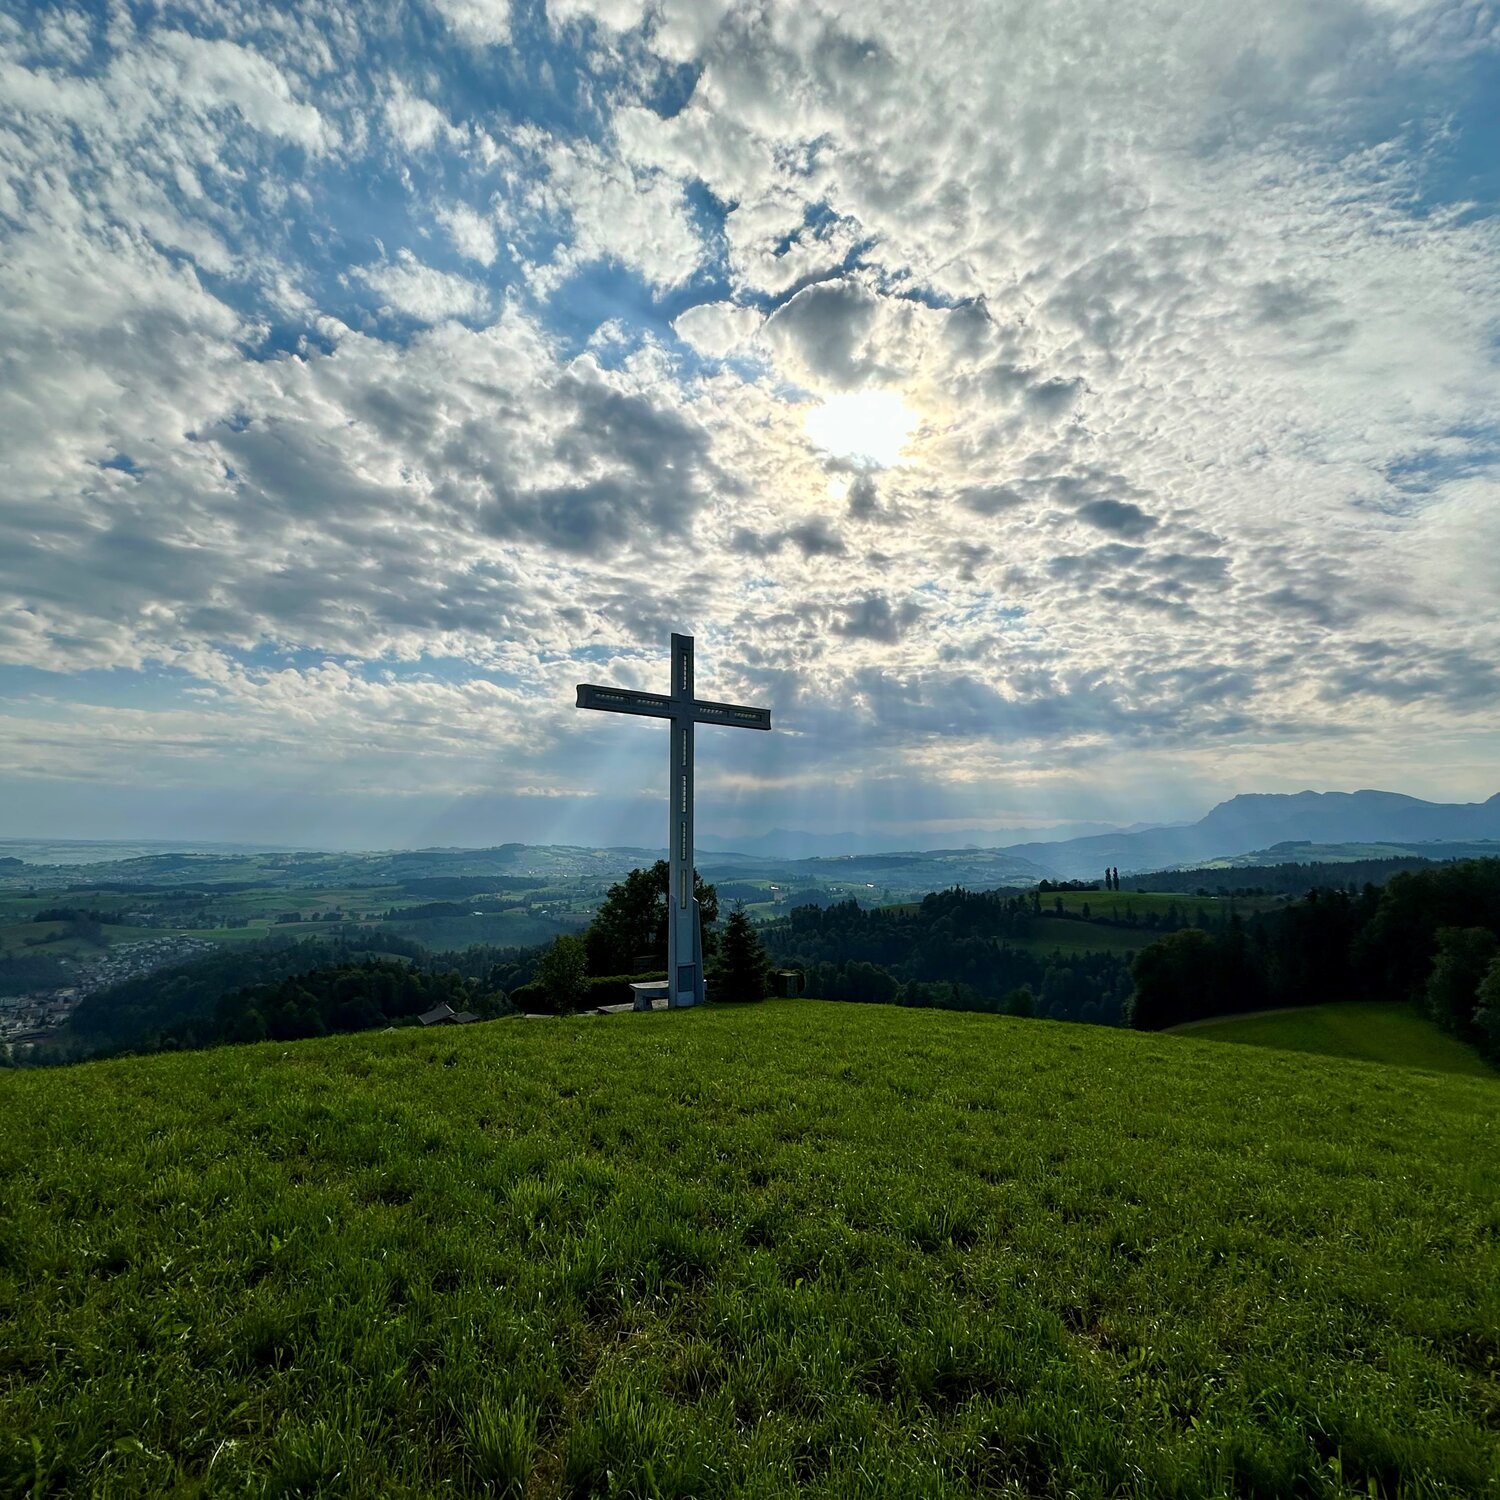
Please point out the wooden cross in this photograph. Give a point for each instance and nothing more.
(684, 925)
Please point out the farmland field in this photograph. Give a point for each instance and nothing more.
(53, 938)
(1373, 1030)
(1120, 906)
(692, 1254)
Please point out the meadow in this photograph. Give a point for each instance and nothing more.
(787, 1248)
(1374, 1030)
(1121, 906)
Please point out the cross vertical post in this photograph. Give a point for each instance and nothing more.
(684, 923)
(682, 711)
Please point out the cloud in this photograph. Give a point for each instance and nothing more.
(416, 123)
(472, 234)
(717, 329)
(1118, 516)
(823, 332)
(409, 349)
(613, 211)
(484, 23)
(873, 618)
(423, 292)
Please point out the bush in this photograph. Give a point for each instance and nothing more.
(608, 989)
(563, 974)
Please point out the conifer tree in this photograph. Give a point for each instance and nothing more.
(744, 970)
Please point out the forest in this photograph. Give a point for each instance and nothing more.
(955, 949)
(353, 996)
(1431, 936)
(286, 990)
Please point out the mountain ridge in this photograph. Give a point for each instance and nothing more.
(1257, 820)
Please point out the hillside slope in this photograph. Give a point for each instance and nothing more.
(797, 1247)
(1373, 1031)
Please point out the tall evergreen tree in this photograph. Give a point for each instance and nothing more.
(744, 970)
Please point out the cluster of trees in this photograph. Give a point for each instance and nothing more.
(1430, 935)
(956, 949)
(83, 927)
(355, 996)
(74, 914)
(628, 939)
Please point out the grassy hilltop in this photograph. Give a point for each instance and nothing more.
(848, 1250)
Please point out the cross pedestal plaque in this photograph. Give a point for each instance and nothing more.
(684, 926)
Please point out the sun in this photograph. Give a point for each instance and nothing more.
(869, 427)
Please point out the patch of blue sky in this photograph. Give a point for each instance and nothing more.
(1424, 471)
(26, 689)
(987, 608)
(448, 669)
(604, 653)
(542, 78)
(1461, 156)
(605, 291)
(267, 656)
(276, 657)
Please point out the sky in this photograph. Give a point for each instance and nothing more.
(1049, 412)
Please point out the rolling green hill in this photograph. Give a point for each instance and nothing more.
(1375, 1031)
(788, 1248)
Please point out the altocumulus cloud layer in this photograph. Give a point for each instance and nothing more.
(1047, 410)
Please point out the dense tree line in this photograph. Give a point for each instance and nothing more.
(501, 968)
(355, 996)
(1290, 878)
(956, 949)
(1430, 935)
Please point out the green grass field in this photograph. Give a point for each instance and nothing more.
(46, 938)
(792, 1248)
(1369, 1030)
(1118, 906)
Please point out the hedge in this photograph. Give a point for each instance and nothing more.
(609, 989)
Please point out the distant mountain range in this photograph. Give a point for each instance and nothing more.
(791, 843)
(1258, 820)
(1245, 829)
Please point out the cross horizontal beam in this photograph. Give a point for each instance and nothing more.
(659, 706)
(625, 701)
(734, 714)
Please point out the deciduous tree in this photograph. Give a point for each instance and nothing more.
(563, 973)
(632, 921)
